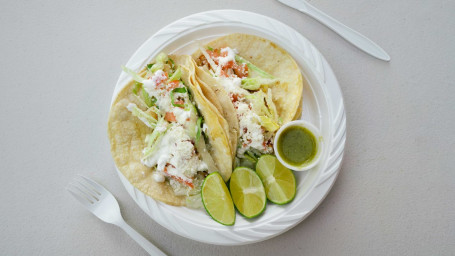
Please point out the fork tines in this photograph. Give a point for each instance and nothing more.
(85, 190)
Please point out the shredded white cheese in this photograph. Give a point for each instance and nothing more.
(251, 133)
(161, 127)
(163, 97)
(181, 115)
(223, 61)
(158, 78)
(230, 56)
(177, 155)
(232, 85)
(158, 177)
(131, 107)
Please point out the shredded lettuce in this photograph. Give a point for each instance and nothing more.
(177, 90)
(156, 67)
(245, 161)
(251, 66)
(198, 128)
(191, 125)
(137, 87)
(147, 119)
(254, 83)
(189, 106)
(255, 152)
(177, 74)
(154, 110)
(172, 63)
(161, 58)
(269, 124)
(159, 64)
(250, 155)
(148, 151)
(272, 108)
(258, 103)
(147, 99)
(154, 100)
(264, 107)
(136, 77)
(141, 101)
(149, 70)
(152, 140)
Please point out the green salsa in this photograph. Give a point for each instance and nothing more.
(297, 145)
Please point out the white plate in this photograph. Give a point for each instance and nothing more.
(322, 105)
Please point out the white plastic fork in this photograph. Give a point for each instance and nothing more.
(103, 205)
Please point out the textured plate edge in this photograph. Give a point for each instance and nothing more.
(330, 179)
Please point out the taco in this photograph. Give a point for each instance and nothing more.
(165, 135)
(256, 78)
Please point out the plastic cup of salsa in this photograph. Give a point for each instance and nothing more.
(298, 145)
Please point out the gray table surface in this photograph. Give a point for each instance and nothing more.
(395, 193)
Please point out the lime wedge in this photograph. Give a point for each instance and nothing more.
(216, 199)
(279, 181)
(247, 192)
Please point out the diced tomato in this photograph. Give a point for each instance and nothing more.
(189, 183)
(180, 102)
(230, 64)
(223, 73)
(235, 97)
(214, 54)
(202, 60)
(240, 70)
(172, 85)
(170, 117)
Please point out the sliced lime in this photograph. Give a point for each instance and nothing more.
(216, 199)
(279, 181)
(247, 192)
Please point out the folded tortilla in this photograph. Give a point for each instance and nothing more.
(127, 138)
(216, 94)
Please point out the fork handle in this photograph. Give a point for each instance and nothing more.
(149, 247)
